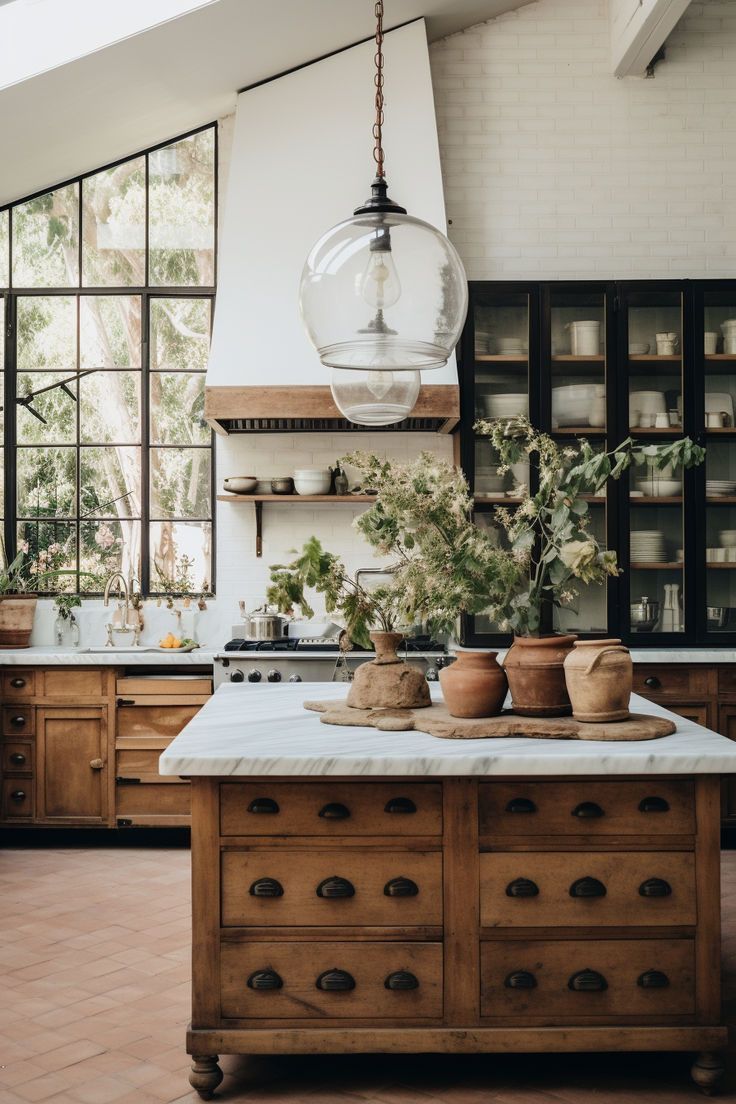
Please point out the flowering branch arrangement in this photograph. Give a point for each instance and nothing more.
(550, 530)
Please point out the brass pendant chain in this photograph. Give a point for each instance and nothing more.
(378, 81)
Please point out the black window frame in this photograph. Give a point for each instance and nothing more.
(147, 293)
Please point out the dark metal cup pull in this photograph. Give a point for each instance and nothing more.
(522, 887)
(401, 980)
(266, 887)
(265, 979)
(520, 979)
(17, 759)
(654, 805)
(655, 887)
(587, 887)
(18, 796)
(588, 810)
(335, 887)
(521, 805)
(18, 722)
(653, 979)
(17, 683)
(652, 682)
(400, 805)
(401, 887)
(335, 981)
(334, 811)
(263, 805)
(587, 981)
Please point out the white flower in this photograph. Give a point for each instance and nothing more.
(578, 555)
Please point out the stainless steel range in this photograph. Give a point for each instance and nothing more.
(308, 660)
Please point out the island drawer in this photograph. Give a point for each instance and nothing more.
(607, 978)
(650, 807)
(668, 680)
(17, 757)
(18, 720)
(587, 889)
(18, 684)
(303, 980)
(330, 809)
(335, 887)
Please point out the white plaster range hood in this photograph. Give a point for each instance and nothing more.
(301, 160)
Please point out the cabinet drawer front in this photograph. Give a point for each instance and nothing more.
(18, 720)
(184, 686)
(153, 721)
(154, 799)
(362, 980)
(667, 680)
(139, 763)
(727, 680)
(17, 798)
(331, 809)
(592, 889)
(630, 977)
(331, 887)
(651, 807)
(58, 682)
(17, 757)
(18, 684)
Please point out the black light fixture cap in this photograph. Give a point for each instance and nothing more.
(379, 200)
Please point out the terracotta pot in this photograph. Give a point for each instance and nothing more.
(474, 685)
(534, 666)
(599, 677)
(387, 682)
(16, 619)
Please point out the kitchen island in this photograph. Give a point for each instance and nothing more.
(359, 891)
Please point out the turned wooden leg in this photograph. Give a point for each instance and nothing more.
(206, 1075)
(707, 1070)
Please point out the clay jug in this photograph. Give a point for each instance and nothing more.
(387, 681)
(474, 685)
(599, 679)
(534, 666)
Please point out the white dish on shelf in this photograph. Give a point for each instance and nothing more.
(646, 402)
(717, 402)
(727, 538)
(639, 348)
(506, 406)
(660, 488)
(571, 403)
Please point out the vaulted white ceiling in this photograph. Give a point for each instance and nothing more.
(171, 77)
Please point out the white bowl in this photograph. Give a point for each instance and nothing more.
(647, 402)
(240, 484)
(727, 538)
(312, 482)
(571, 404)
(660, 488)
(639, 348)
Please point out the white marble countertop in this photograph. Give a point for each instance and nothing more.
(255, 731)
(78, 657)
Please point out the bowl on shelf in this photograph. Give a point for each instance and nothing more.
(572, 403)
(509, 346)
(240, 484)
(646, 402)
(719, 402)
(282, 484)
(263, 486)
(660, 488)
(639, 348)
(489, 481)
(727, 538)
(312, 481)
(505, 406)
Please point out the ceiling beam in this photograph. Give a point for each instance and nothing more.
(639, 29)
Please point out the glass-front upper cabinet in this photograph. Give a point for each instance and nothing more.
(652, 340)
(715, 417)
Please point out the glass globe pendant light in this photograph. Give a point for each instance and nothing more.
(383, 296)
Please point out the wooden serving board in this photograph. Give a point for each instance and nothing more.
(436, 720)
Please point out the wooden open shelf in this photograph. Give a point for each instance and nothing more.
(647, 500)
(579, 431)
(568, 358)
(721, 431)
(672, 565)
(637, 358)
(720, 356)
(259, 499)
(729, 565)
(721, 500)
(500, 358)
(656, 431)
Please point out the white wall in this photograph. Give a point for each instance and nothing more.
(555, 169)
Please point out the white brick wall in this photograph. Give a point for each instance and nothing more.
(554, 169)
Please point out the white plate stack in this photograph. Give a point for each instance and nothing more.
(720, 488)
(648, 546)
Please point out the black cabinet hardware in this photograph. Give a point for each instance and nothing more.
(335, 981)
(265, 805)
(587, 887)
(401, 980)
(123, 781)
(654, 805)
(401, 887)
(587, 810)
(124, 701)
(266, 887)
(17, 796)
(335, 887)
(587, 981)
(652, 682)
(264, 979)
(18, 722)
(522, 887)
(521, 805)
(17, 759)
(653, 979)
(400, 805)
(655, 887)
(520, 979)
(334, 811)
(17, 683)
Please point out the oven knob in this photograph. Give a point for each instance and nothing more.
(295, 678)
(431, 674)
(274, 675)
(237, 676)
(254, 675)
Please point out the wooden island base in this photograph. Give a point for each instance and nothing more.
(456, 915)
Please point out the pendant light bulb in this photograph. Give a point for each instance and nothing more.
(380, 285)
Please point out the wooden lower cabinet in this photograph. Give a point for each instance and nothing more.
(499, 929)
(73, 768)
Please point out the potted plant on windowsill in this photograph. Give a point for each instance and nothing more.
(20, 582)
(550, 530)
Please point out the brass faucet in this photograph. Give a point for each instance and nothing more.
(123, 606)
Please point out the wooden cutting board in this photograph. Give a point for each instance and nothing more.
(436, 720)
